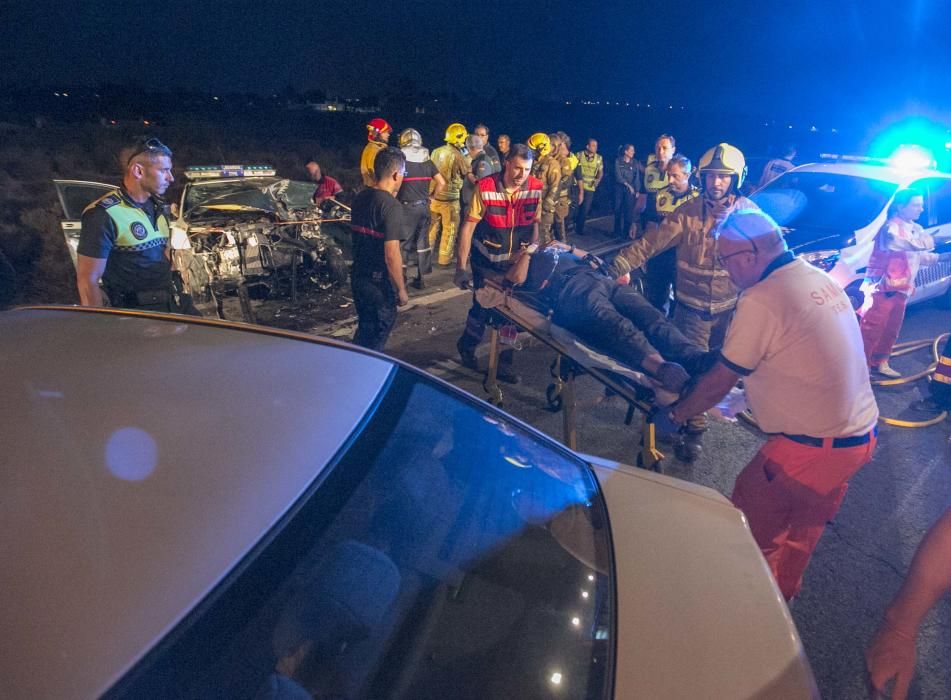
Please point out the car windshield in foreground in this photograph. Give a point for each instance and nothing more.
(271, 195)
(447, 554)
(803, 199)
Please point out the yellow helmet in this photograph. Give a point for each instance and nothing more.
(724, 159)
(456, 135)
(540, 144)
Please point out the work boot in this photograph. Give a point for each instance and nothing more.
(886, 371)
(926, 406)
(467, 357)
(418, 283)
(506, 371)
(689, 448)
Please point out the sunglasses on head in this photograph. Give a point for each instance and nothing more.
(152, 145)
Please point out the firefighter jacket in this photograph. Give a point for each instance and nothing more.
(668, 200)
(367, 160)
(453, 166)
(548, 170)
(508, 221)
(592, 168)
(564, 183)
(702, 284)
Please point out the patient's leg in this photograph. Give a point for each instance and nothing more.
(659, 332)
(585, 308)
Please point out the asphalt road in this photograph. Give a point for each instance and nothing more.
(862, 556)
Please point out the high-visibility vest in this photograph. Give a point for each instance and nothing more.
(589, 169)
(134, 228)
(507, 223)
(668, 200)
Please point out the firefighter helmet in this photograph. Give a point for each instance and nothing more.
(456, 135)
(540, 144)
(377, 126)
(410, 137)
(726, 160)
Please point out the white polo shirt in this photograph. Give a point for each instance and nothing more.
(796, 339)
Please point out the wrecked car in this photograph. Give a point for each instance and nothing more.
(237, 230)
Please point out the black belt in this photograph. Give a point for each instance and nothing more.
(853, 441)
(417, 203)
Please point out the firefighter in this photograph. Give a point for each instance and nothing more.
(500, 228)
(569, 222)
(378, 135)
(678, 190)
(546, 169)
(560, 148)
(706, 296)
(453, 164)
(421, 176)
(662, 269)
(589, 173)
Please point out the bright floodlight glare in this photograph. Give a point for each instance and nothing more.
(911, 158)
(556, 678)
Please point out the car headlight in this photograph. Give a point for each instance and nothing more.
(825, 260)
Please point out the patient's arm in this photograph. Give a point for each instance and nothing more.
(518, 272)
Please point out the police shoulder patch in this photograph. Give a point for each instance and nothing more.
(110, 200)
(139, 231)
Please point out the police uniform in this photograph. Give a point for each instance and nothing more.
(133, 238)
(505, 226)
(626, 174)
(444, 208)
(547, 170)
(376, 217)
(589, 170)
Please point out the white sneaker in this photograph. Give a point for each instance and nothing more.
(886, 371)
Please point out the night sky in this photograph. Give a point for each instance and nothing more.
(814, 58)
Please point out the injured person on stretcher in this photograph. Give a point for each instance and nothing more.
(610, 315)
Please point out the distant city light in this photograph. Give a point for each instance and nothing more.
(556, 678)
(576, 621)
(215, 98)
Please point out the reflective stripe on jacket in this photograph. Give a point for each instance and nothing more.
(589, 170)
(508, 223)
(548, 170)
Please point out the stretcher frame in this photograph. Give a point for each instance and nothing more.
(567, 366)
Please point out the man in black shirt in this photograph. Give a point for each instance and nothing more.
(376, 221)
(125, 237)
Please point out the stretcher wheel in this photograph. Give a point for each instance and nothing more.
(553, 395)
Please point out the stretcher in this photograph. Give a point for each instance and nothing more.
(573, 359)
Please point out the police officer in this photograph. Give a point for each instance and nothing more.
(546, 169)
(500, 226)
(421, 176)
(661, 269)
(589, 173)
(378, 135)
(677, 191)
(376, 222)
(125, 238)
(453, 164)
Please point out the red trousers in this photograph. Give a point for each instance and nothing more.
(881, 325)
(788, 493)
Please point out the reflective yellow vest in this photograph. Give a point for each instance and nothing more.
(134, 229)
(589, 169)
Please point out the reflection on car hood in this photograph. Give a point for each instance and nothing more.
(698, 612)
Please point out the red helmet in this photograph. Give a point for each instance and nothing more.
(377, 126)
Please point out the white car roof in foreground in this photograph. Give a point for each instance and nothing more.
(142, 459)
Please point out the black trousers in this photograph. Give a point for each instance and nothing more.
(375, 301)
(660, 279)
(479, 317)
(618, 321)
(415, 245)
(584, 210)
(625, 202)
